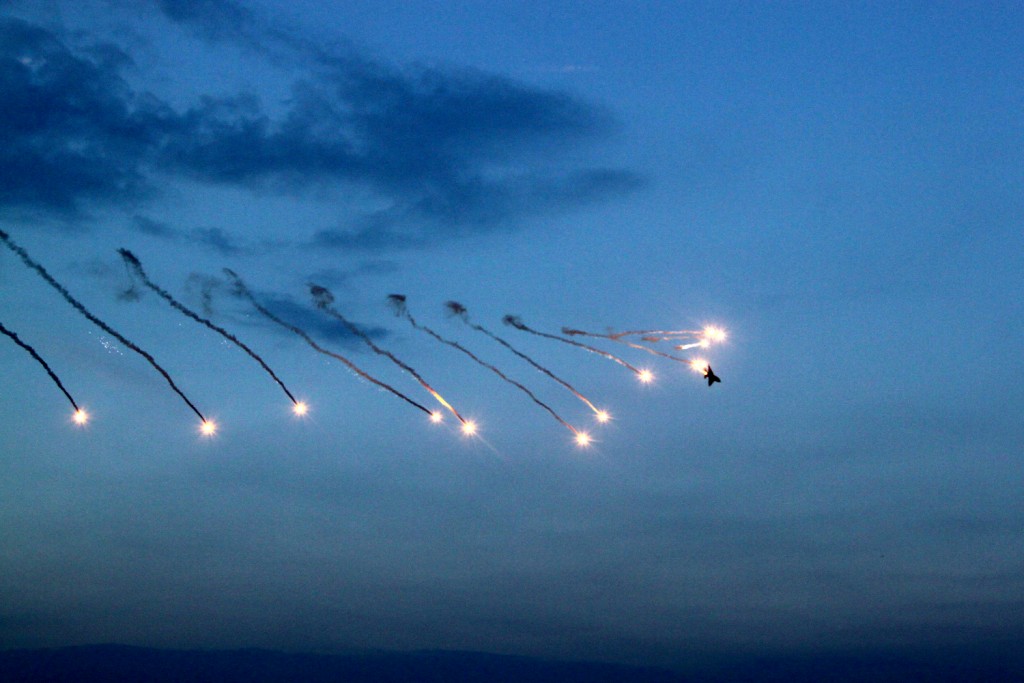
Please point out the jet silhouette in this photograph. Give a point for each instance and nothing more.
(711, 376)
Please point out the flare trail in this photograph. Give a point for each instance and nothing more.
(93, 319)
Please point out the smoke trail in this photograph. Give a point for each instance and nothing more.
(614, 337)
(135, 267)
(206, 286)
(457, 309)
(323, 299)
(49, 371)
(243, 291)
(704, 337)
(517, 323)
(96, 321)
(397, 301)
(649, 335)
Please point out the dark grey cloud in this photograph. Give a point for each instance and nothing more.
(212, 237)
(70, 128)
(435, 146)
(214, 19)
(472, 207)
(373, 235)
(154, 228)
(313, 321)
(341, 277)
(218, 240)
(219, 21)
(208, 292)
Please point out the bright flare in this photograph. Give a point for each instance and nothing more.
(714, 334)
(80, 417)
(436, 416)
(603, 416)
(469, 428)
(208, 428)
(699, 365)
(646, 376)
(582, 439)
(300, 409)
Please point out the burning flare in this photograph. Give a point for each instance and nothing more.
(323, 299)
(458, 310)
(77, 305)
(39, 359)
(242, 290)
(618, 338)
(714, 335)
(397, 302)
(516, 322)
(135, 267)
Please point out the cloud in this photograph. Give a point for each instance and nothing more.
(443, 152)
(212, 237)
(218, 240)
(214, 19)
(205, 289)
(68, 130)
(379, 237)
(338, 277)
(313, 321)
(154, 228)
(473, 208)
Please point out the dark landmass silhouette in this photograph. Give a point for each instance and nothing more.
(123, 664)
(127, 664)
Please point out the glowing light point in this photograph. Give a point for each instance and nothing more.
(300, 408)
(582, 439)
(603, 416)
(208, 428)
(714, 334)
(646, 376)
(80, 417)
(436, 416)
(704, 343)
(469, 428)
(699, 365)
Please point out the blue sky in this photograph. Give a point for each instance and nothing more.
(838, 186)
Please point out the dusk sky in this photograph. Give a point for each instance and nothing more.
(838, 185)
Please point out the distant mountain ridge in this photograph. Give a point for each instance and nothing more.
(128, 664)
(996, 662)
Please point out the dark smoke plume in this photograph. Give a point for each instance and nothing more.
(458, 310)
(49, 371)
(323, 299)
(397, 302)
(135, 266)
(93, 319)
(242, 291)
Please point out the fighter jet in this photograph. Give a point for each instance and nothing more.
(711, 376)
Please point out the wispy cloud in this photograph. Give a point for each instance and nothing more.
(315, 322)
(218, 240)
(445, 152)
(71, 130)
(212, 237)
(154, 228)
